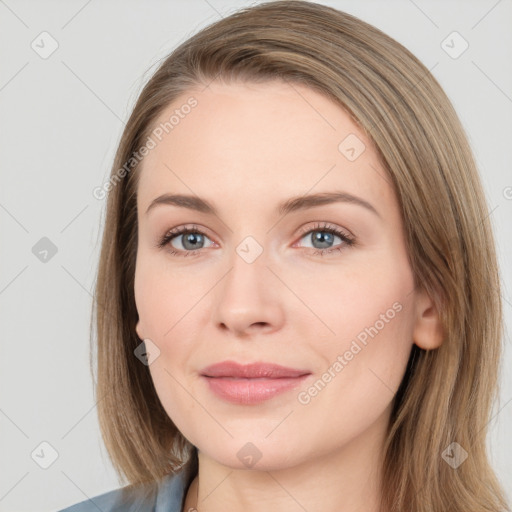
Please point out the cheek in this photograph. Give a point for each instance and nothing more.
(175, 391)
(363, 369)
(364, 337)
(345, 301)
(164, 320)
(164, 302)
(162, 296)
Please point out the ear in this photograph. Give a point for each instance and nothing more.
(428, 332)
(138, 330)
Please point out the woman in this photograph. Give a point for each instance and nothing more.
(298, 301)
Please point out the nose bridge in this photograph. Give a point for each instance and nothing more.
(247, 279)
(247, 295)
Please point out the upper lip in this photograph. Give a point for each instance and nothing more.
(251, 370)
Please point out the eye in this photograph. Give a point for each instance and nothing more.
(322, 237)
(190, 240)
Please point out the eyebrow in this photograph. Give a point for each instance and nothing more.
(290, 205)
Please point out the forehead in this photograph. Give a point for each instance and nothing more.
(250, 141)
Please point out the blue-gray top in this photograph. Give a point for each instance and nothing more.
(166, 495)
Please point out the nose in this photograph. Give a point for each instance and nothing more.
(249, 300)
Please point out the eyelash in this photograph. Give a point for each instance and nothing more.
(348, 241)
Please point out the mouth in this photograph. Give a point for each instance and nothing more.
(251, 383)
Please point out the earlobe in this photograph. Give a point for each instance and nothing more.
(428, 330)
(138, 330)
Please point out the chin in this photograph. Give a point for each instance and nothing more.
(255, 453)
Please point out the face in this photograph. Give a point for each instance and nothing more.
(322, 287)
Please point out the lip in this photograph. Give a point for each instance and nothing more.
(251, 383)
(251, 370)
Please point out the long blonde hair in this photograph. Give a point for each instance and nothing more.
(446, 394)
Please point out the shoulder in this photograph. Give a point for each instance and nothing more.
(140, 497)
(165, 495)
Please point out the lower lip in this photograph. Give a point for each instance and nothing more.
(251, 391)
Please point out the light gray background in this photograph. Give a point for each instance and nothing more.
(61, 118)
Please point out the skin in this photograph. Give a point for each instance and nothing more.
(246, 148)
